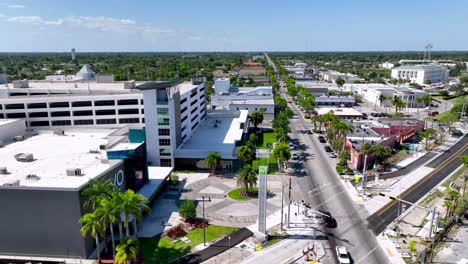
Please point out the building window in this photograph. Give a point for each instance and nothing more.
(183, 119)
(141, 102)
(193, 118)
(163, 121)
(164, 152)
(104, 103)
(164, 132)
(60, 113)
(194, 125)
(106, 121)
(166, 163)
(194, 102)
(164, 142)
(81, 104)
(128, 111)
(61, 123)
(128, 102)
(39, 123)
(39, 114)
(105, 112)
(183, 110)
(161, 97)
(14, 106)
(163, 111)
(16, 115)
(83, 122)
(143, 120)
(129, 120)
(59, 104)
(183, 101)
(1, 115)
(83, 113)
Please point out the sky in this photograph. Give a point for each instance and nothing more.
(241, 25)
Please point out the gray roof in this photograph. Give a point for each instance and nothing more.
(86, 69)
(420, 67)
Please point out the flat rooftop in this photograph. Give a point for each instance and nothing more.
(7, 121)
(339, 111)
(53, 155)
(219, 132)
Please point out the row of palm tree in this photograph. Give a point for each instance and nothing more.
(212, 160)
(379, 152)
(107, 207)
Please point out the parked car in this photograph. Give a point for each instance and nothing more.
(322, 139)
(309, 132)
(433, 113)
(294, 156)
(328, 149)
(330, 222)
(332, 155)
(291, 145)
(342, 254)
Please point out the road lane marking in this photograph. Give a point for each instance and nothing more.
(437, 169)
(365, 256)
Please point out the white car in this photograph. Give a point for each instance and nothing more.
(342, 253)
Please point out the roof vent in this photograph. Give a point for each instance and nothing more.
(32, 177)
(103, 146)
(24, 157)
(74, 172)
(21, 84)
(12, 184)
(59, 132)
(3, 170)
(18, 138)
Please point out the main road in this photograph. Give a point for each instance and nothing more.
(323, 189)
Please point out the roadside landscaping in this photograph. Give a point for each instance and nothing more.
(166, 250)
(266, 142)
(240, 194)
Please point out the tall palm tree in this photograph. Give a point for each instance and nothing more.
(95, 191)
(212, 160)
(449, 204)
(126, 251)
(282, 153)
(256, 118)
(343, 128)
(320, 120)
(282, 134)
(365, 150)
(108, 211)
(247, 176)
(245, 154)
(380, 152)
(134, 204)
(398, 103)
(382, 98)
(92, 223)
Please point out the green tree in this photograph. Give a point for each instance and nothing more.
(187, 209)
(247, 177)
(340, 81)
(245, 154)
(109, 213)
(212, 160)
(398, 103)
(382, 99)
(256, 118)
(92, 223)
(282, 153)
(380, 153)
(282, 134)
(428, 134)
(126, 251)
(450, 206)
(343, 128)
(133, 204)
(464, 160)
(97, 190)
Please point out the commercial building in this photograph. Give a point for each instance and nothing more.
(331, 76)
(342, 113)
(173, 110)
(388, 65)
(421, 74)
(341, 101)
(246, 71)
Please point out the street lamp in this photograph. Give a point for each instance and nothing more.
(204, 199)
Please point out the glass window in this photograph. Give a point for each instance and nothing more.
(166, 163)
(163, 121)
(164, 132)
(163, 111)
(164, 152)
(164, 142)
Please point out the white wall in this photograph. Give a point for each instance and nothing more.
(10, 130)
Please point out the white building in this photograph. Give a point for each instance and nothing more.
(388, 65)
(340, 112)
(84, 74)
(421, 74)
(173, 110)
(331, 76)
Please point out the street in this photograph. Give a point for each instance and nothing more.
(323, 189)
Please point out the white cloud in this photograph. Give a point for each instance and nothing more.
(15, 6)
(34, 20)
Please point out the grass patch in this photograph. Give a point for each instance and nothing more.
(235, 194)
(275, 238)
(271, 163)
(165, 250)
(454, 177)
(431, 197)
(268, 138)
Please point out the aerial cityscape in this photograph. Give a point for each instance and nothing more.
(244, 133)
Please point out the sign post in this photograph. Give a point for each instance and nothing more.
(262, 193)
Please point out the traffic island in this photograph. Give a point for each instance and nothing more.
(241, 194)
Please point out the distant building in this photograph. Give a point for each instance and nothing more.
(342, 113)
(73, 54)
(84, 74)
(220, 74)
(331, 76)
(246, 71)
(258, 57)
(388, 65)
(421, 74)
(3, 78)
(340, 101)
(252, 63)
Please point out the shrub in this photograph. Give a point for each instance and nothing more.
(187, 209)
(412, 246)
(174, 179)
(307, 117)
(196, 222)
(339, 168)
(175, 232)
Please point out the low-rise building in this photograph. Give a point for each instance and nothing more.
(246, 71)
(340, 101)
(331, 76)
(421, 74)
(388, 65)
(342, 113)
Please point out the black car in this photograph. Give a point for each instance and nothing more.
(309, 132)
(330, 222)
(328, 149)
(322, 139)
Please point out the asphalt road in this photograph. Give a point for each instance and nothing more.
(443, 165)
(322, 188)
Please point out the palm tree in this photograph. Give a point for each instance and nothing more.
(126, 251)
(134, 204)
(398, 103)
(320, 120)
(382, 98)
(365, 150)
(245, 154)
(282, 134)
(380, 152)
(212, 160)
(95, 191)
(454, 196)
(449, 204)
(256, 118)
(314, 118)
(343, 128)
(247, 176)
(282, 153)
(427, 135)
(108, 211)
(92, 223)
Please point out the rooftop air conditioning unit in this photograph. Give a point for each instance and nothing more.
(102, 146)
(3, 170)
(74, 172)
(24, 157)
(32, 177)
(12, 184)
(59, 132)
(18, 138)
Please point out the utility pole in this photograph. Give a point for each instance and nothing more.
(364, 174)
(282, 205)
(289, 204)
